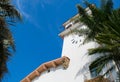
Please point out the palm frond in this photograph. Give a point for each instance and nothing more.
(109, 70)
(99, 50)
(8, 14)
(100, 62)
(82, 31)
(81, 10)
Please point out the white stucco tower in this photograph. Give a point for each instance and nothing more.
(73, 66)
(73, 48)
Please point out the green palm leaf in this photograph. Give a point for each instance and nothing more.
(100, 62)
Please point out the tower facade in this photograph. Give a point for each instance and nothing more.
(78, 69)
(73, 48)
(73, 66)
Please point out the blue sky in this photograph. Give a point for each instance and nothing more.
(36, 38)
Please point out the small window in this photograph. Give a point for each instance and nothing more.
(68, 25)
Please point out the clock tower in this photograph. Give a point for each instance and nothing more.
(77, 52)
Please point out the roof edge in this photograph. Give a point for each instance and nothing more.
(64, 61)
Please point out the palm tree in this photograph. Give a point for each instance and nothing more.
(108, 50)
(103, 28)
(109, 41)
(96, 20)
(8, 16)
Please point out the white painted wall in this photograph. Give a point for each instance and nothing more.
(79, 60)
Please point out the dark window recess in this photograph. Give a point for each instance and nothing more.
(69, 26)
(74, 41)
(80, 40)
(48, 70)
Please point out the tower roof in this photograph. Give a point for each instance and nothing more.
(71, 25)
(64, 61)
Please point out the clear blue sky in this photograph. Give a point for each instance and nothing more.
(37, 39)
